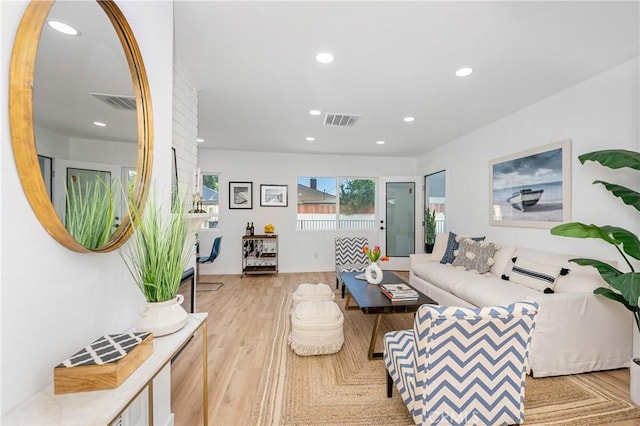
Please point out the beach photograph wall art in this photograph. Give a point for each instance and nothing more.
(532, 188)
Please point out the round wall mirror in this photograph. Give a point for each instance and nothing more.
(80, 116)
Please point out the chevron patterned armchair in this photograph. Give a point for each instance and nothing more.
(349, 256)
(463, 366)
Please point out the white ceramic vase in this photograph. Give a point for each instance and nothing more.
(162, 318)
(373, 273)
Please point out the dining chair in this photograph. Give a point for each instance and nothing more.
(215, 251)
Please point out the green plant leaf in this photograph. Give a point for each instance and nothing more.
(612, 234)
(629, 286)
(580, 230)
(617, 297)
(628, 196)
(613, 158)
(629, 241)
(606, 271)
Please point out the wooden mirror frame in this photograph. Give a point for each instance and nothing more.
(23, 58)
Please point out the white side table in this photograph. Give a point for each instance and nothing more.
(105, 406)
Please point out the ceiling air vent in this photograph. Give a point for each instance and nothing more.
(340, 120)
(127, 103)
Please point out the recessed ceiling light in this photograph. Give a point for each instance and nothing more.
(62, 27)
(99, 123)
(380, 142)
(199, 140)
(464, 72)
(324, 57)
(315, 112)
(310, 138)
(409, 119)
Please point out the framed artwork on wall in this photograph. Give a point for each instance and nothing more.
(240, 195)
(531, 188)
(274, 196)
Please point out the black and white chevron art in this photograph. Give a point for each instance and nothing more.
(349, 254)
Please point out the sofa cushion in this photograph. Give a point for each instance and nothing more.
(440, 246)
(502, 260)
(443, 276)
(579, 278)
(452, 245)
(535, 275)
(482, 290)
(475, 256)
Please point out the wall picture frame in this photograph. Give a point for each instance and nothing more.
(531, 188)
(240, 195)
(274, 195)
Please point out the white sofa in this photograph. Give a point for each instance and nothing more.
(576, 331)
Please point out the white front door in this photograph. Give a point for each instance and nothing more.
(399, 200)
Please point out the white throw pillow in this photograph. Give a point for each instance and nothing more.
(502, 260)
(440, 246)
(534, 275)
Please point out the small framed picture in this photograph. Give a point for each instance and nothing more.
(240, 195)
(273, 196)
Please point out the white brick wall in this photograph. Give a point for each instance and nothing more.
(185, 130)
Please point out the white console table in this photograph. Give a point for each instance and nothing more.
(105, 406)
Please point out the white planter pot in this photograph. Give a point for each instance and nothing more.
(162, 318)
(634, 381)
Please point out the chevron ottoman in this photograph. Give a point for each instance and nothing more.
(316, 328)
(308, 292)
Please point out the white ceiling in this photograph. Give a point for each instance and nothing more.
(254, 66)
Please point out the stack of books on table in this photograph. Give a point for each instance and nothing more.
(399, 292)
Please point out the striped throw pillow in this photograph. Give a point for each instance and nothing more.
(534, 275)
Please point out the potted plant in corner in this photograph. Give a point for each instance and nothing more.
(156, 258)
(624, 286)
(429, 229)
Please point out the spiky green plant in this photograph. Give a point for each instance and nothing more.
(429, 226)
(624, 286)
(91, 212)
(158, 253)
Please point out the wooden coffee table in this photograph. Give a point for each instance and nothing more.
(370, 300)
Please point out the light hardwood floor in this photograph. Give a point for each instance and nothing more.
(241, 316)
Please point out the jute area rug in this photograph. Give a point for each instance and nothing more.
(348, 389)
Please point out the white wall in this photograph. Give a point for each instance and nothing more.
(54, 301)
(123, 154)
(299, 251)
(600, 113)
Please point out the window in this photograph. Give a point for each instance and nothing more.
(434, 186)
(329, 203)
(210, 197)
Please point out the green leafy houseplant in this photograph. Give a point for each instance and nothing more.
(429, 227)
(624, 286)
(158, 253)
(91, 212)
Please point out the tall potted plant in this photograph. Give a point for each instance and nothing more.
(624, 286)
(429, 229)
(91, 211)
(156, 258)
